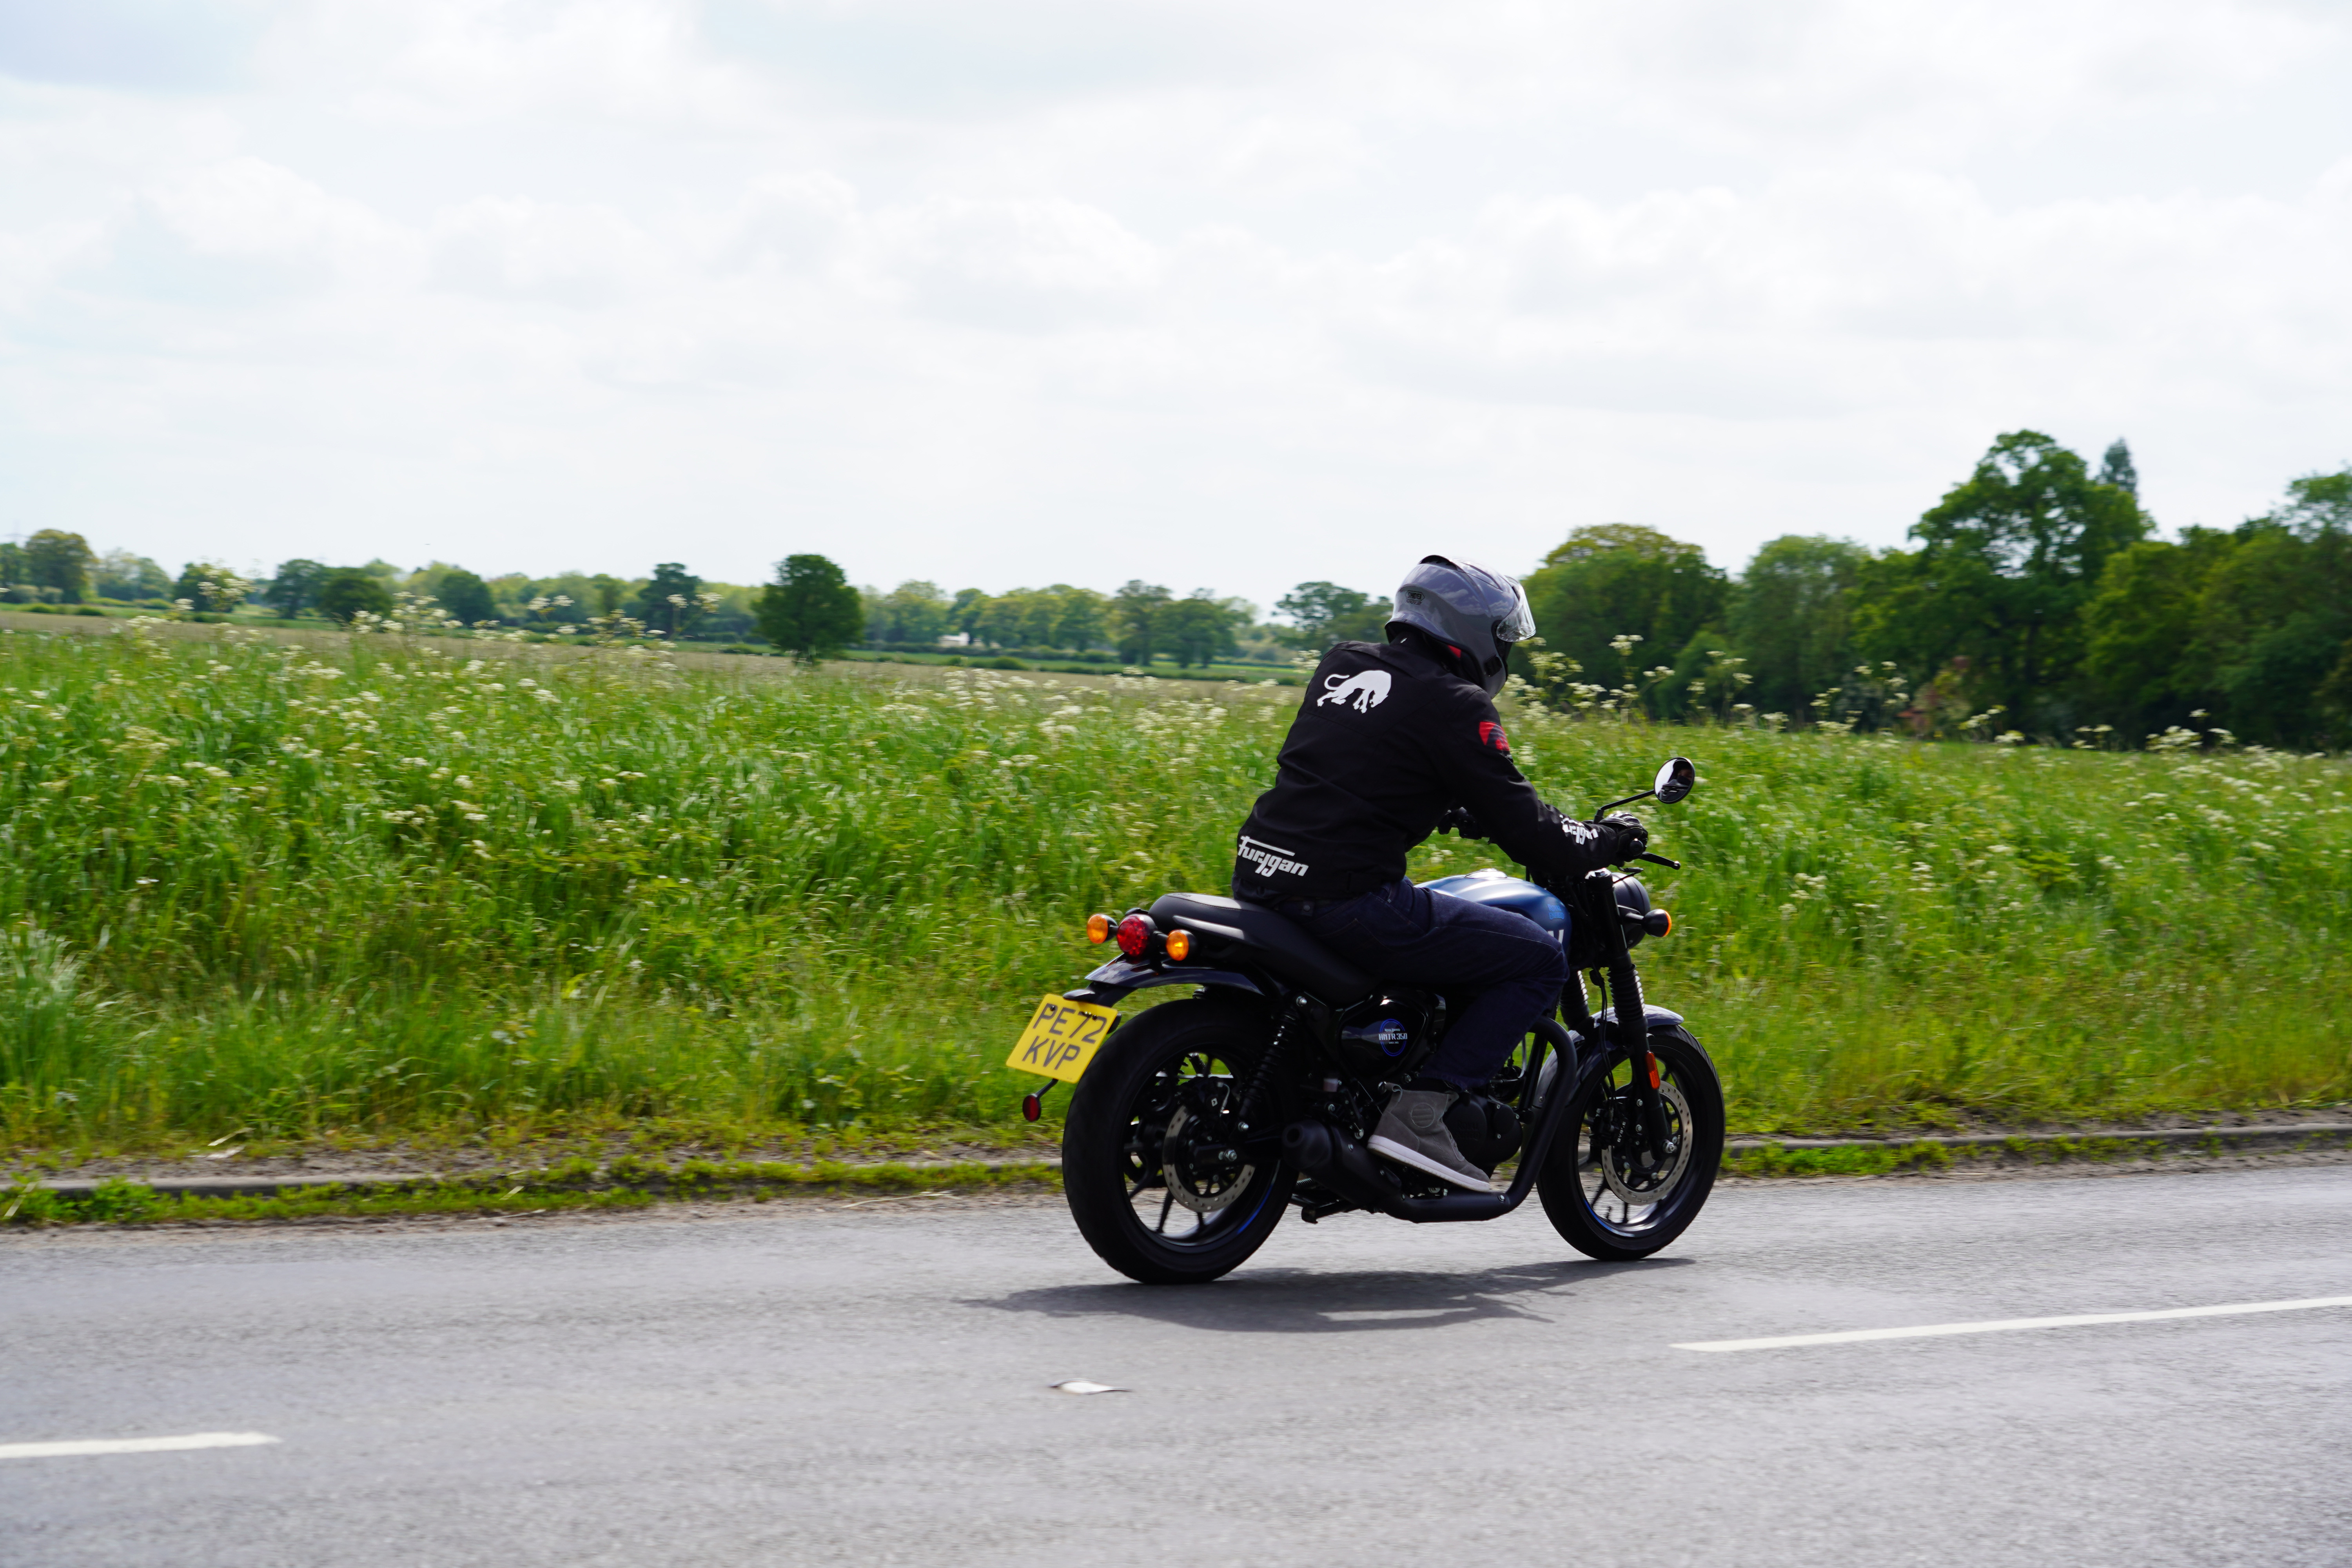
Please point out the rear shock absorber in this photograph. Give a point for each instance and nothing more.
(1275, 1057)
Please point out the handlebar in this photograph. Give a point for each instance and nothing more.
(1459, 820)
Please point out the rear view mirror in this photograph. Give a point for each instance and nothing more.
(1676, 779)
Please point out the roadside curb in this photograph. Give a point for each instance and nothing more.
(1770, 1158)
(2216, 1140)
(685, 1178)
(2039, 1147)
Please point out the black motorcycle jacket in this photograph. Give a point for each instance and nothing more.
(1386, 741)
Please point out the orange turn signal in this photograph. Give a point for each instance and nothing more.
(1098, 927)
(1179, 945)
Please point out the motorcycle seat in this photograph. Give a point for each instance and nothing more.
(1290, 952)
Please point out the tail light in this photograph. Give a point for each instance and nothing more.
(1135, 935)
(1179, 945)
(1098, 927)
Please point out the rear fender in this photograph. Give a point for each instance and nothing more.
(1123, 976)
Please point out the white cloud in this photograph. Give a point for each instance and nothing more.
(1026, 292)
(570, 254)
(1019, 265)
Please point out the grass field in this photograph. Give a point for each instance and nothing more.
(378, 887)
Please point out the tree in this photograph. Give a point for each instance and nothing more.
(2252, 624)
(913, 612)
(296, 586)
(1079, 616)
(12, 564)
(1619, 580)
(1137, 620)
(122, 575)
(2136, 656)
(466, 598)
(1312, 608)
(964, 613)
(2006, 564)
(55, 559)
(2273, 622)
(1010, 620)
(1792, 619)
(810, 611)
(2318, 505)
(609, 591)
(1199, 628)
(1323, 614)
(347, 591)
(670, 599)
(210, 587)
(2116, 467)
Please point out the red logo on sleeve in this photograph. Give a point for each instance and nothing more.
(1491, 736)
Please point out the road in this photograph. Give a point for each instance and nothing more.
(802, 1384)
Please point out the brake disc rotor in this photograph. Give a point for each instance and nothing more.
(1203, 1191)
(1638, 1185)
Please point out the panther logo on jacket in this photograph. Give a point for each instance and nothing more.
(1368, 689)
(1491, 736)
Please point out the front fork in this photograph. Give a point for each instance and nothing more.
(1633, 1025)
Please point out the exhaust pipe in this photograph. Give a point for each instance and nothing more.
(1340, 1165)
(1307, 1146)
(1348, 1168)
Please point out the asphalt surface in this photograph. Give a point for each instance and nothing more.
(803, 1386)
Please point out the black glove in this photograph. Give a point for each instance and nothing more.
(1459, 820)
(1628, 837)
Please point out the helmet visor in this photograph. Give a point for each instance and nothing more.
(1516, 623)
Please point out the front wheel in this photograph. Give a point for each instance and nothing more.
(1600, 1186)
(1149, 1162)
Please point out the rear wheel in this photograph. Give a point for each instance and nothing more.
(1148, 1164)
(1601, 1188)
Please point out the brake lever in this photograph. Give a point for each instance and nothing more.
(1659, 860)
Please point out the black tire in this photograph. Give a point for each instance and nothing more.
(1588, 1185)
(1193, 1057)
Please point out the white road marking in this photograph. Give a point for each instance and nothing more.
(1083, 1387)
(133, 1445)
(2003, 1325)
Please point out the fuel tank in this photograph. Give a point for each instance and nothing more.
(1505, 891)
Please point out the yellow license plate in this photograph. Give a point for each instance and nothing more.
(1062, 1038)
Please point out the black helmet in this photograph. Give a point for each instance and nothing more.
(1480, 612)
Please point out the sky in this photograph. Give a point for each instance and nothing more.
(1007, 292)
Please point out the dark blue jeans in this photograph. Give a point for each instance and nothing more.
(1410, 936)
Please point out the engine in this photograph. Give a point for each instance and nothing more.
(1486, 1129)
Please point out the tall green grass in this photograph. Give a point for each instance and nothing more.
(395, 887)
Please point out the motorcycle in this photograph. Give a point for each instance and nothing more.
(1195, 1126)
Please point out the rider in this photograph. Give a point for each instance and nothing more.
(1391, 739)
